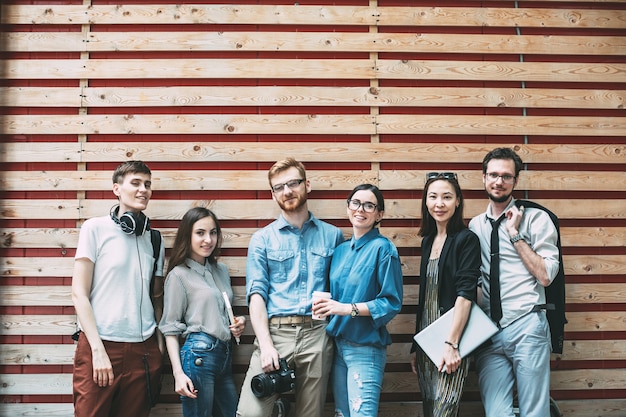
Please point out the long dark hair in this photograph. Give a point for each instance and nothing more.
(182, 244)
(429, 227)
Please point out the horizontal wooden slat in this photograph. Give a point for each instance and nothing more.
(199, 151)
(59, 295)
(313, 15)
(313, 41)
(321, 180)
(59, 324)
(528, 180)
(62, 267)
(190, 180)
(570, 408)
(42, 96)
(233, 124)
(335, 209)
(37, 324)
(31, 354)
(570, 236)
(397, 353)
(191, 68)
(515, 125)
(55, 354)
(503, 71)
(313, 96)
(584, 350)
(396, 382)
(267, 210)
(67, 238)
(190, 124)
(348, 69)
(507, 17)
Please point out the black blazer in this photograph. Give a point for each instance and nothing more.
(459, 270)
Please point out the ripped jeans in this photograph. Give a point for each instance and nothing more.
(357, 378)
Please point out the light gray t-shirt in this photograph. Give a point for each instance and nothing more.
(120, 292)
(194, 301)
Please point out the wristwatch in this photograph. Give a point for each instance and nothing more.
(516, 238)
(454, 345)
(355, 311)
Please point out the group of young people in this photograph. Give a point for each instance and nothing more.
(338, 340)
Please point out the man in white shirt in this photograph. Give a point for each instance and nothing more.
(118, 351)
(526, 252)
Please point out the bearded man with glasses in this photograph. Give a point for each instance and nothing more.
(287, 261)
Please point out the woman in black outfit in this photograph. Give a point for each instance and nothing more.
(449, 273)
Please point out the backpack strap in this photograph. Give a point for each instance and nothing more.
(555, 292)
(155, 236)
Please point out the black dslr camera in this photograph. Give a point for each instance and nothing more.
(281, 380)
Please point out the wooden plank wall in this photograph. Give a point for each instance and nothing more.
(381, 91)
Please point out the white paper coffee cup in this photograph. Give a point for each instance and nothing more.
(318, 295)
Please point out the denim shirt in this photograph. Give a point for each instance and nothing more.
(286, 264)
(366, 270)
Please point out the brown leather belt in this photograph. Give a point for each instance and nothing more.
(291, 320)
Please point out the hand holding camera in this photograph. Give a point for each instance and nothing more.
(281, 380)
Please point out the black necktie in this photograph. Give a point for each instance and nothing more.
(494, 272)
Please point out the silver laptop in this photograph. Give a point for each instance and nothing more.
(478, 329)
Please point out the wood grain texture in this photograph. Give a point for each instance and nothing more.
(295, 96)
(570, 408)
(345, 69)
(204, 151)
(67, 238)
(314, 15)
(323, 180)
(210, 95)
(316, 41)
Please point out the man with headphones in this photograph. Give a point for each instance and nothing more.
(117, 365)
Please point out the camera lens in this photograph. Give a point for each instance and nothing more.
(262, 385)
(281, 380)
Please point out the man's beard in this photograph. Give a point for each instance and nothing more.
(292, 206)
(501, 199)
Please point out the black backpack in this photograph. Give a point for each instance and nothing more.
(555, 292)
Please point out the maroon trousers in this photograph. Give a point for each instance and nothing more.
(128, 396)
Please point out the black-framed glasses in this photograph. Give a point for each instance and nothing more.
(292, 185)
(445, 175)
(507, 179)
(368, 207)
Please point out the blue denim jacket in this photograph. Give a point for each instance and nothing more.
(286, 264)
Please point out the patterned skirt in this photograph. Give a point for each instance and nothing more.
(441, 392)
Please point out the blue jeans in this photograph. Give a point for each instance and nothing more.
(519, 354)
(357, 378)
(207, 361)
